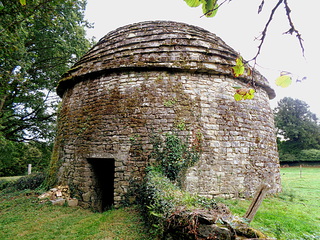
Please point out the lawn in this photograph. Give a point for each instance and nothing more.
(9, 178)
(293, 214)
(23, 217)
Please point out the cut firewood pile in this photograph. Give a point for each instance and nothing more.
(59, 195)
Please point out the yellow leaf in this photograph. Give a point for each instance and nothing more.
(238, 69)
(244, 94)
(284, 81)
(249, 71)
(23, 2)
(251, 91)
(237, 97)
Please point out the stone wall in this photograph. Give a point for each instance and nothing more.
(150, 78)
(114, 116)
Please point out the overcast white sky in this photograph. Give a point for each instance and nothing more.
(238, 24)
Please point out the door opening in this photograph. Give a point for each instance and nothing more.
(103, 172)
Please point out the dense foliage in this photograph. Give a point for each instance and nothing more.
(40, 40)
(159, 197)
(298, 128)
(15, 157)
(173, 154)
(306, 155)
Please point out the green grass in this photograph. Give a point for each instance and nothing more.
(293, 214)
(23, 217)
(10, 178)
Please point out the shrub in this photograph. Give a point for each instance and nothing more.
(4, 184)
(32, 182)
(309, 155)
(159, 198)
(288, 157)
(306, 155)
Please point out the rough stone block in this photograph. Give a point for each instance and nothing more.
(86, 196)
(58, 201)
(73, 202)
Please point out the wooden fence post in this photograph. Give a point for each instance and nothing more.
(256, 202)
(29, 169)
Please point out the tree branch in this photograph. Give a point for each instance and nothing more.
(264, 32)
(292, 27)
(290, 31)
(31, 13)
(210, 11)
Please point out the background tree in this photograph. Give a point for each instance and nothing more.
(297, 126)
(40, 40)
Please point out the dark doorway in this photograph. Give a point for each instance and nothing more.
(103, 170)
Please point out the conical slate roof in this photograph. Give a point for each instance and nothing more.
(156, 45)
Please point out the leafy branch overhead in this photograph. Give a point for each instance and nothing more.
(291, 31)
(238, 70)
(209, 7)
(40, 40)
(243, 93)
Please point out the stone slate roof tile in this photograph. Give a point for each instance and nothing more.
(157, 45)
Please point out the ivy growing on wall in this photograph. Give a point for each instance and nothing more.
(173, 154)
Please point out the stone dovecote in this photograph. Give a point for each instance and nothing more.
(151, 77)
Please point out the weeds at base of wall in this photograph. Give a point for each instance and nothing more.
(166, 208)
(170, 211)
(158, 198)
(160, 194)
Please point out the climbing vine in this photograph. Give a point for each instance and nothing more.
(173, 154)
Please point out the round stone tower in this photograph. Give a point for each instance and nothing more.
(151, 78)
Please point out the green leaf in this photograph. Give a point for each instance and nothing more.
(238, 69)
(249, 71)
(284, 81)
(210, 8)
(193, 3)
(250, 94)
(237, 97)
(1, 6)
(33, 69)
(23, 2)
(237, 87)
(244, 94)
